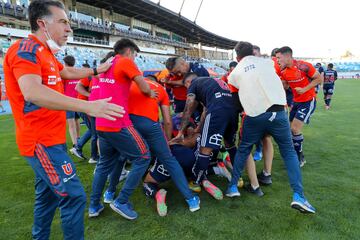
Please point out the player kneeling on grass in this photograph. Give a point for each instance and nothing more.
(219, 120)
(265, 114)
(144, 114)
(184, 150)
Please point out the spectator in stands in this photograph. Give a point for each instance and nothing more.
(8, 37)
(72, 118)
(178, 67)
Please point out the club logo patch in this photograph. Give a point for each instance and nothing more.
(67, 168)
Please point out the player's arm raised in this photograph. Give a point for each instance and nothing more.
(35, 92)
(78, 73)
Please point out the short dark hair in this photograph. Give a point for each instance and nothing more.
(232, 64)
(330, 65)
(171, 62)
(86, 65)
(108, 55)
(318, 64)
(273, 52)
(189, 74)
(243, 49)
(69, 60)
(122, 44)
(255, 47)
(39, 9)
(284, 50)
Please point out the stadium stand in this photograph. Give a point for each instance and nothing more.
(159, 32)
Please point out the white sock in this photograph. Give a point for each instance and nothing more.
(266, 174)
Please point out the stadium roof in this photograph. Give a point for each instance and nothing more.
(153, 13)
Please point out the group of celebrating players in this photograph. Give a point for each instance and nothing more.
(121, 109)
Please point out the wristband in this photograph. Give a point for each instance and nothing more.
(95, 71)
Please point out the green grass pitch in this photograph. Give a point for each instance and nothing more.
(331, 180)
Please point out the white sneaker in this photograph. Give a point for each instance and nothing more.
(124, 174)
(77, 153)
(223, 171)
(92, 161)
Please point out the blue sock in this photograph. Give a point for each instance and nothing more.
(327, 101)
(200, 167)
(259, 147)
(298, 142)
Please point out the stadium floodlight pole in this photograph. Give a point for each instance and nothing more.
(198, 11)
(181, 7)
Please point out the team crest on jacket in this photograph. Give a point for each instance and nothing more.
(67, 168)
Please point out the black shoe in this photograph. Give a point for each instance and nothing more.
(256, 191)
(264, 180)
(301, 158)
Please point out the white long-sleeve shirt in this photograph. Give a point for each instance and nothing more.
(259, 87)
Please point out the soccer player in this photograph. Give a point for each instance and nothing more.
(288, 91)
(178, 67)
(1, 106)
(232, 65)
(144, 114)
(34, 86)
(330, 76)
(320, 69)
(72, 118)
(256, 50)
(219, 121)
(264, 176)
(84, 90)
(265, 114)
(120, 137)
(302, 78)
(264, 146)
(185, 151)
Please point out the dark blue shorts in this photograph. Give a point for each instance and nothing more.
(72, 115)
(303, 111)
(329, 89)
(219, 124)
(184, 155)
